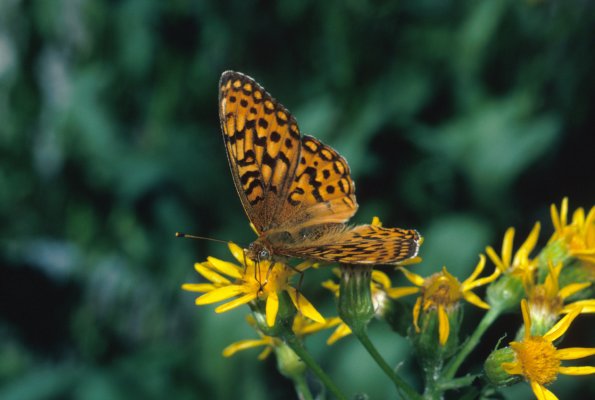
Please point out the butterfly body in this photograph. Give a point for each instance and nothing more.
(297, 191)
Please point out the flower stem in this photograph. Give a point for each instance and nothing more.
(294, 343)
(487, 320)
(301, 388)
(403, 387)
(457, 383)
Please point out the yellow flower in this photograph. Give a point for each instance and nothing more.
(442, 292)
(250, 282)
(579, 235)
(520, 265)
(539, 361)
(546, 300)
(301, 327)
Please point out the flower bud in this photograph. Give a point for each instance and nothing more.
(283, 322)
(506, 293)
(289, 364)
(493, 367)
(433, 344)
(355, 298)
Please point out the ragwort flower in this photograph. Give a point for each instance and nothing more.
(250, 282)
(539, 361)
(546, 301)
(443, 292)
(520, 264)
(506, 293)
(578, 235)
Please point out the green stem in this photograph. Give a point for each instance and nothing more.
(301, 387)
(457, 383)
(402, 386)
(295, 345)
(472, 342)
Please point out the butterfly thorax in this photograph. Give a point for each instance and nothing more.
(278, 244)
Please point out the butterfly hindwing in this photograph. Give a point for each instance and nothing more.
(322, 190)
(363, 244)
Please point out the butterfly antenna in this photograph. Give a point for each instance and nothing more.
(185, 235)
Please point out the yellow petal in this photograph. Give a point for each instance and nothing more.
(562, 326)
(199, 287)
(412, 260)
(416, 311)
(507, 246)
(397, 292)
(571, 289)
(443, 325)
(237, 252)
(272, 308)
(265, 353)
(475, 300)
(339, 333)
(484, 281)
(381, 278)
(512, 368)
(205, 270)
(573, 353)
(225, 267)
(304, 265)
(235, 303)
(243, 345)
(219, 294)
(576, 370)
(526, 318)
(564, 211)
(413, 278)
(529, 243)
(304, 306)
(541, 392)
(496, 259)
(331, 285)
(376, 221)
(587, 306)
(555, 218)
(477, 270)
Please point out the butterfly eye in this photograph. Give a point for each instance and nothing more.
(264, 254)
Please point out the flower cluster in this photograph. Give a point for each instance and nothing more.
(550, 287)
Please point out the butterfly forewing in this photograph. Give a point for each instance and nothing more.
(263, 146)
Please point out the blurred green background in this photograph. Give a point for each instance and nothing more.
(458, 118)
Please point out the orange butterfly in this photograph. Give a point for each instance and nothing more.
(296, 191)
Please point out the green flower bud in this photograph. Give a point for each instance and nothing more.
(284, 320)
(578, 272)
(355, 298)
(427, 342)
(506, 293)
(554, 253)
(288, 363)
(493, 367)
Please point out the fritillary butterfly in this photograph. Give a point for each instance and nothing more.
(296, 191)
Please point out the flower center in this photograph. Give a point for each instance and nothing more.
(269, 278)
(441, 290)
(538, 359)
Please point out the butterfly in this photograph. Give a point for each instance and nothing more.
(297, 192)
